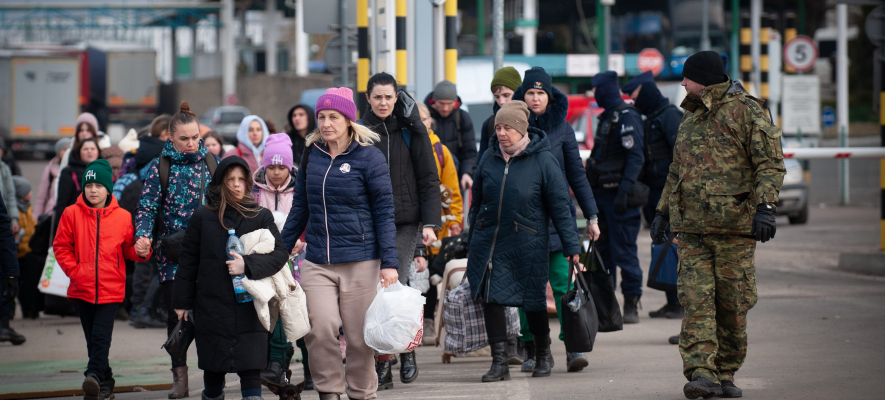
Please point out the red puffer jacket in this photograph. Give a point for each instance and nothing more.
(90, 245)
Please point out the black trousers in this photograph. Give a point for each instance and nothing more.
(98, 326)
(143, 276)
(496, 323)
(172, 320)
(213, 381)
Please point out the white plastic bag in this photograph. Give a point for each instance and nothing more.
(395, 320)
(419, 280)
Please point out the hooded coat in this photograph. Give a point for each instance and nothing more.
(448, 175)
(412, 171)
(663, 128)
(564, 148)
(271, 198)
(45, 203)
(245, 148)
(90, 246)
(462, 143)
(513, 201)
(298, 142)
(181, 200)
(229, 335)
(70, 185)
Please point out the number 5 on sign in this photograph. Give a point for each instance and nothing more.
(800, 53)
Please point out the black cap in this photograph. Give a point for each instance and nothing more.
(705, 68)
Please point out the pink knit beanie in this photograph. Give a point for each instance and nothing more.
(338, 99)
(88, 118)
(278, 150)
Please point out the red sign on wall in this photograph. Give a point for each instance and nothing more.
(650, 60)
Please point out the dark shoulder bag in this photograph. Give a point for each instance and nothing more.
(172, 242)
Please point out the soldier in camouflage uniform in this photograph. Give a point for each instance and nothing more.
(719, 198)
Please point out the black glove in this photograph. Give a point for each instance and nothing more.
(659, 227)
(406, 110)
(621, 203)
(764, 225)
(9, 289)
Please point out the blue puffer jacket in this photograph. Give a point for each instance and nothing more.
(346, 206)
(564, 147)
(182, 198)
(508, 256)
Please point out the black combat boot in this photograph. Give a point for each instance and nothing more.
(408, 371)
(10, 335)
(91, 387)
(274, 374)
(543, 357)
(631, 308)
(385, 376)
(673, 339)
(529, 364)
(500, 370)
(669, 311)
(701, 387)
(514, 356)
(729, 390)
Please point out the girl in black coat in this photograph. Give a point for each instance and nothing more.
(229, 335)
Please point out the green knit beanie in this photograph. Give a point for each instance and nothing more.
(99, 171)
(507, 76)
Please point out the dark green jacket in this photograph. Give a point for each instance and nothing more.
(512, 203)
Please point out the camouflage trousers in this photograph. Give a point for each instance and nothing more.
(717, 286)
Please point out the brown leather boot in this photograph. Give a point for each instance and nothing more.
(179, 383)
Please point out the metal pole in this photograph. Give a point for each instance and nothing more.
(302, 50)
(402, 72)
(705, 22)
(842, 88)
(270, 40)
(229, 55)
(343, 32)
(390, 25)
(174, 49)
(801, 17)
(881, 60)
(600, 25)
(755, 51)
(439, 44)
(498, 34)
(452, 40)
(603, 62)
(411, 13)
(373, 37)
(362, 64)
(735, 40)
(529, 32)
(481, 27)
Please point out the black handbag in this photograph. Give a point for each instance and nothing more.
(580, 321)
(602, 290)
(180, 339)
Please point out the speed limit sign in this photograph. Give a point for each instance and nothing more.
(800, 53)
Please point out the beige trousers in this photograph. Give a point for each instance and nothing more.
(338, 295)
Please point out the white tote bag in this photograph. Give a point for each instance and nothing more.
(53, 280)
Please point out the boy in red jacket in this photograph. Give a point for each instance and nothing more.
(94, 236)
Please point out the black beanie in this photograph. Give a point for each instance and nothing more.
(705, 68)
(537, 78)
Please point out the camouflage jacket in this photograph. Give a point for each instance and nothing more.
(727, 160)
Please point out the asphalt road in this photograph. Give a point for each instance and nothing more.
(815, 333)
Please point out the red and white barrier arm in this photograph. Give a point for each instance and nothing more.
(829, 153)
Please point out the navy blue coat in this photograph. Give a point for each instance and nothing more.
(508, 258)
(626, 142)
(349, 195)
(8, 255)
(664, 127)
(564, 148)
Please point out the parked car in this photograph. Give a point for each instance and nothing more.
(225, 120)
(793, 198)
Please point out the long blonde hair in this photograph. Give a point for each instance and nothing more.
(363, 135)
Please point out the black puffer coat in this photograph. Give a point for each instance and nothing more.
(508, 257)
(413, 171)
(229, 335)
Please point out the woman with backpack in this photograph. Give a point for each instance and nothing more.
(174, 188)
(413, 174)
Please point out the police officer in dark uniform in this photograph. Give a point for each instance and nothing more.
(613, 171)
(660, 127)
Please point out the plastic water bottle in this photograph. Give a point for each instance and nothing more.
(234, 245)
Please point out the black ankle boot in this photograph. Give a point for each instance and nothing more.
(385, 377)
(528, 365)
(631, 308)
(500, 370)
(543, 357)
(106, 389)
(273, 373)
(513, 355)
(408, 371)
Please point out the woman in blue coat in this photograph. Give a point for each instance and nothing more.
(548, 108)
(343, 202)
(518, 188)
